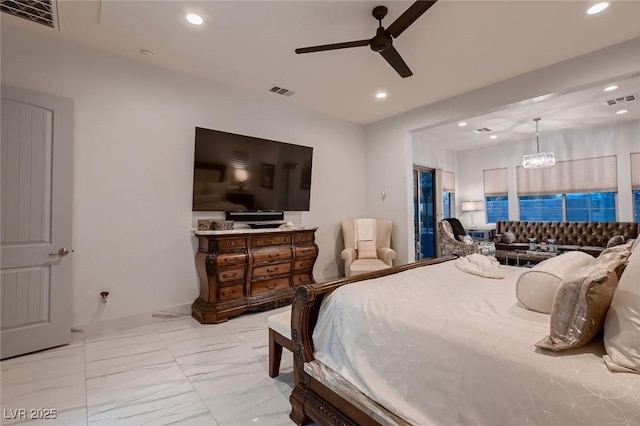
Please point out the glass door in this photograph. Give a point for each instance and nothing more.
(424, 212)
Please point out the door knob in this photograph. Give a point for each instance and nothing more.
(62, 252)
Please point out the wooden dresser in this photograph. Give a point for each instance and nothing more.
(243, 270)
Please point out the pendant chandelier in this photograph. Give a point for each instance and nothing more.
(539, 159)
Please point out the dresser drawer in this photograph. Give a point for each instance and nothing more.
(231, 292)
(271, 255)
(305, 237)
(230, 275)
(302, 279)
(305, 251)
(270, 270)
(302, 264)
(273, 240)
(268, 286)
(231, 243)
(230, 259)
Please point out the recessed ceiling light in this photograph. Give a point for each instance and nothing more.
(493, 137)
(194, 19)
(622, 111)
(381, 95)
(597, 8)
(462, 124)
(610, 88)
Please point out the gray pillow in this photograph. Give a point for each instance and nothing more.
(508, 237)
(616, 240)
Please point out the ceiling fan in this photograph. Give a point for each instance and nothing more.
(382, 42)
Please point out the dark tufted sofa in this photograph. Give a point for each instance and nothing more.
(590, 237)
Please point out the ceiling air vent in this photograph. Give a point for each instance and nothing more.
(40, 11)
(482, 130)
(622, 100)
(281, 91)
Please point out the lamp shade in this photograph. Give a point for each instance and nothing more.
(241, 175)
(472, 206)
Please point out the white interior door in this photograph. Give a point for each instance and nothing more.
(35, 215)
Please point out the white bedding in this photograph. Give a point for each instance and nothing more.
(438, 346)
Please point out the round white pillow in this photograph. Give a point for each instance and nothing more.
(537, 287)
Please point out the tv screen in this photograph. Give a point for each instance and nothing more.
(236, 172)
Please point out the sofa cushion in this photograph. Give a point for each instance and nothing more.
(616, 240)
(508, 237)
(537, 287)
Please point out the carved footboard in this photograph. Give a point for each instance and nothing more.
(314, 398)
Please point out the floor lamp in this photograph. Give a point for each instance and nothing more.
(472, 206)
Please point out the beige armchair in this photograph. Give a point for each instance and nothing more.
(457, 242)
(354, 262)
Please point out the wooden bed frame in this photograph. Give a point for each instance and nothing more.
(331, 402)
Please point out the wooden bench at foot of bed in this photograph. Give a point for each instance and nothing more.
(320, 394)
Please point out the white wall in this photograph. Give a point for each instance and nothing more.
(389, 142)
(620, 140)
(133, 168)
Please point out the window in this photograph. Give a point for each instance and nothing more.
(582, 207)
(591, 207)
(636, 203)
(447, 197)
(496, 190)
(538, 208)
(497, 208)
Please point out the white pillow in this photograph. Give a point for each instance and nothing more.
(622, 324)
(537, 287)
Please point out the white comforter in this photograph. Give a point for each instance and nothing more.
(438, 346)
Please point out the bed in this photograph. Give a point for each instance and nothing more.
(461, 352)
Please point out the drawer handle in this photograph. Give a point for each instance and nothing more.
(231, 261)
(304, 264)
(235, 274)
(272, 270)
(271, 286)
(303, 279)
(274, 256)
(232, 243)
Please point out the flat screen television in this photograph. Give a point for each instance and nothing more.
(236, 172)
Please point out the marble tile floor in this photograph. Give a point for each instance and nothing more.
(170, 370)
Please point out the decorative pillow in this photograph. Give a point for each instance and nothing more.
(581, 304)
(624, 249)
(367, 250)
(508, 237)
(537, 286)
(622, 324)
(467, 239)
(616, 240)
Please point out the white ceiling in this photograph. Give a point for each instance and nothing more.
(580, 109)
(455, 47)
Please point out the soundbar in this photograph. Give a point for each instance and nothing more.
(257, 218)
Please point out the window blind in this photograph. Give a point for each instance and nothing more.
(635, 170)
(496, 182)
(588, 175)
(448, 181)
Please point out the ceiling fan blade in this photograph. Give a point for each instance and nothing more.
(333, 46)
(409, 17)
(395, 60)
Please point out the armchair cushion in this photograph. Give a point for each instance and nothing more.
(367, 250)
